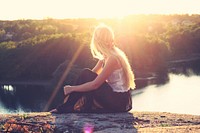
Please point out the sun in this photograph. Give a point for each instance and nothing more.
(39, 9)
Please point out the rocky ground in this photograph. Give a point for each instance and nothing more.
(99, 123)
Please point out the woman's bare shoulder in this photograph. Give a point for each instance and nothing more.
(113, 61)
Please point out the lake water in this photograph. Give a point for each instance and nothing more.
(180, 95)
(23, 98)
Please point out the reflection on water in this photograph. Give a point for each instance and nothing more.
(164, 92)
(22, 98)
(180, 95)
(8, 88)
(185, 67)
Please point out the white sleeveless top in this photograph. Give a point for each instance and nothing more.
(117, 81)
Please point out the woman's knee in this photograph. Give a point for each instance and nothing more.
(86, 75)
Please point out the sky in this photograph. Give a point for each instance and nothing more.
(41, 9)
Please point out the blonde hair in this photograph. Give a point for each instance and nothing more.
(102, 44)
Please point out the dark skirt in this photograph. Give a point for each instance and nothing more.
(101, 100)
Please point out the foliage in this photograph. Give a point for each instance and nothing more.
(26, 123)
(33, 49)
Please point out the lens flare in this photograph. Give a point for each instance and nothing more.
(63, 77)
(88, 128)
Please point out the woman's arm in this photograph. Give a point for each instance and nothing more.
(110, 66)
(98, 67)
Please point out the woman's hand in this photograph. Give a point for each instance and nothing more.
(68, 89)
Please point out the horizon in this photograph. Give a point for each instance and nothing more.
(68, 9)
(45, 18)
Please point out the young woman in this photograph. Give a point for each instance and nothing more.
(105, 88)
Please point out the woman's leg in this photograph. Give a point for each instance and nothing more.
(85, 76)
(112, 101)
(104, 96)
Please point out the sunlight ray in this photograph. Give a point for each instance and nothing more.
(60, 83)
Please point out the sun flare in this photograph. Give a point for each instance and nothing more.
(37, 9)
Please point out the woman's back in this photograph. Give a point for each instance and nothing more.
(117, 81)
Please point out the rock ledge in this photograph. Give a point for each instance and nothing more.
(100, 123)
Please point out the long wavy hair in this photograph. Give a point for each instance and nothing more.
(103, 45)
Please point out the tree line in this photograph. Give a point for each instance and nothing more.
(33, 49)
